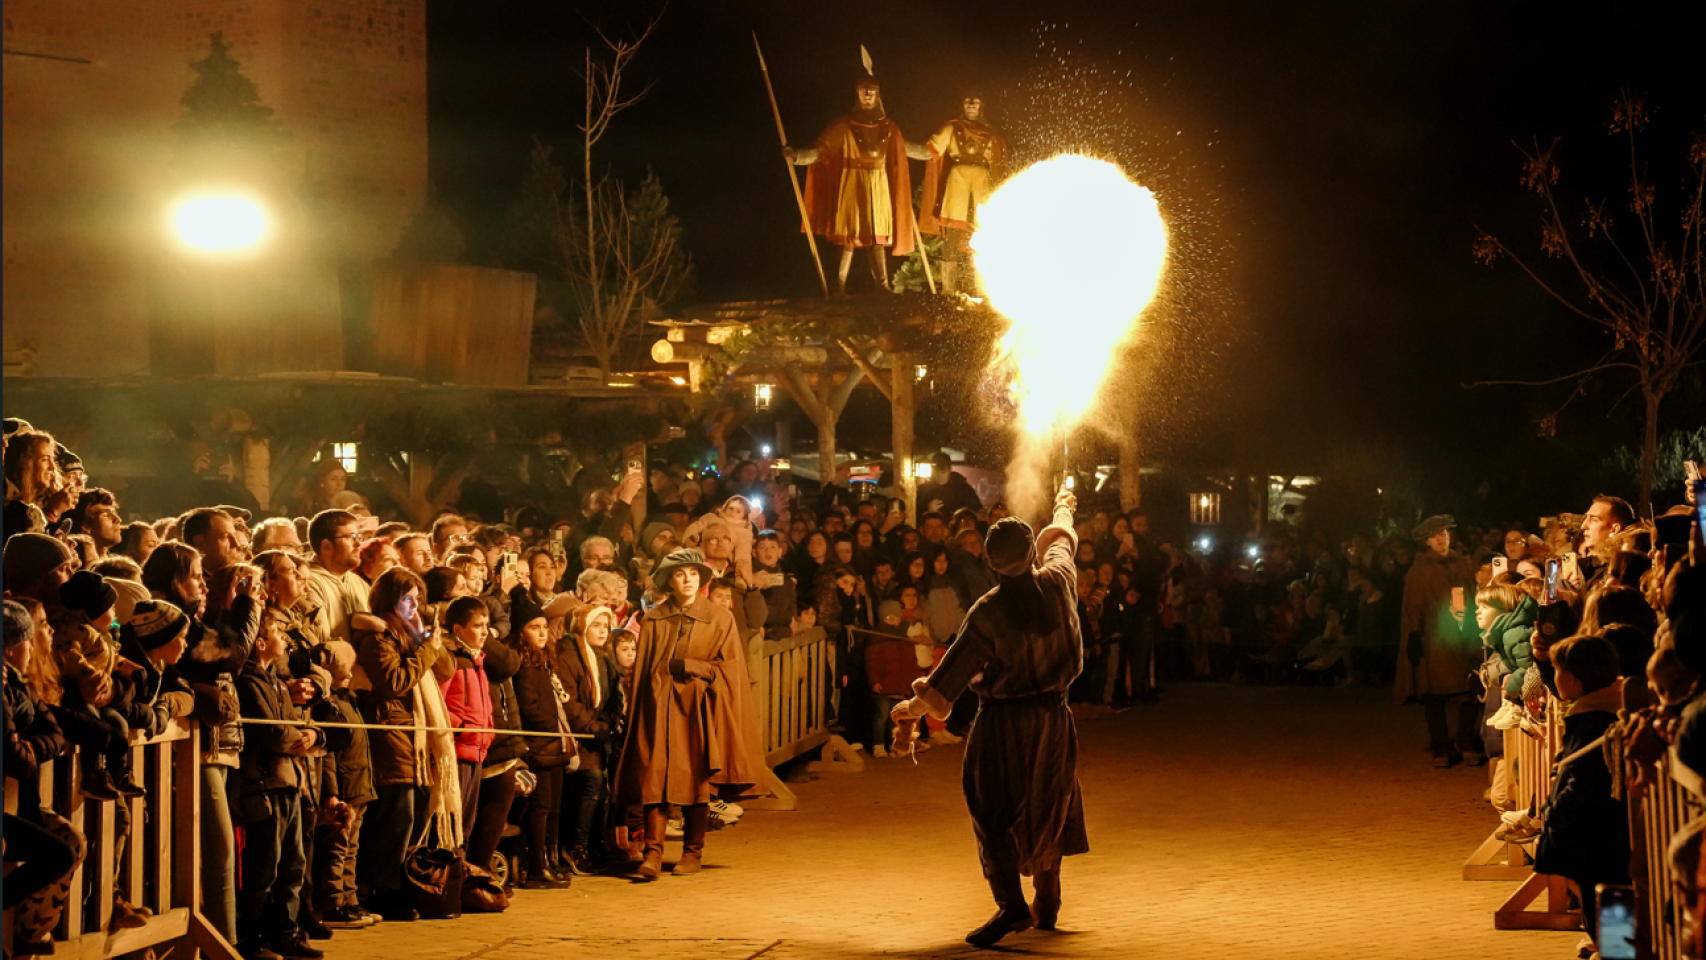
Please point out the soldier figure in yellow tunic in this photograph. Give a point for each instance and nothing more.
(858, 187)
(967, 160)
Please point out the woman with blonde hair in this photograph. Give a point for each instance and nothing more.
(588, 671)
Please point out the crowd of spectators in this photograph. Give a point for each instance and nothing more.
(319, 654)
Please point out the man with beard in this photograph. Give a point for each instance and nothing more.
(1019, 650)
(967, 160)
(858, 187)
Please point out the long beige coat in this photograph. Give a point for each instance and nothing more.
(688, 737)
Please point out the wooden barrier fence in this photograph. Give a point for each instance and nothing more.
(1530, 752)
(160, 867)
(1654, 818)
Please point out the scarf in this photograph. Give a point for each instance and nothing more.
(435, 762)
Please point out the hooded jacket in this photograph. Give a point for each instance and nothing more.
(1511, 637)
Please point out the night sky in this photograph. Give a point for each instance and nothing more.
(1333, 160)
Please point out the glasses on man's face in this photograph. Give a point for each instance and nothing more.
(355, 537)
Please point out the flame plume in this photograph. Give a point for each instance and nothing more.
(1070, 251)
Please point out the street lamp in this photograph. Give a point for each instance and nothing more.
(220, 223)
(761, 396)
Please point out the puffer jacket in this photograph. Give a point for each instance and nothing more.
(348, 771)
(1511, 637)
(468, 700)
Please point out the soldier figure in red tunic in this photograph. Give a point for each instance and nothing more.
(858, 187)
(967, 159)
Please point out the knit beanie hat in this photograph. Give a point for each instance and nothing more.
(154, 624)
(87, 594)
(889, 610)
(31, 556)
(130, 593)
(654, 530)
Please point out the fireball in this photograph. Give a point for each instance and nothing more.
(1070, 251)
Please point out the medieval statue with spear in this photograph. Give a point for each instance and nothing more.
(858, 188)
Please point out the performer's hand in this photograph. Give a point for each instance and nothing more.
(1066, 498)
(905, 734)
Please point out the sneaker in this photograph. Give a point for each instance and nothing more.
(346, 918)
(880, 752)
(1510, 833)
(675, 830)
(1509, 717)
(945, 736)
(729, 811)
(297, 947)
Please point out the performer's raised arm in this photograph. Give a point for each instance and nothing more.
(1058, 542)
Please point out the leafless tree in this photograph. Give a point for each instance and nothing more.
(620, 252)
(1644, 287)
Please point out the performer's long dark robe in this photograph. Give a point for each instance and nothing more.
(1019, 653)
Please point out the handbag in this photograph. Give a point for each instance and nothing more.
(481, 892)
(433, 879)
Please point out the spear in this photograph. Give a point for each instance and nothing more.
(793, 181)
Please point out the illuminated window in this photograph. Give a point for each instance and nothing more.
(1205, 508)
(343, 453)
(761, 396)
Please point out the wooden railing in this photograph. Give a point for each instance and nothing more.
(792, 687)
(1674, 798)
(163, 867)
(1542, 902)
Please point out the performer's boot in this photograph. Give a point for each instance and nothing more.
(657, 822)
(1012, 913)
(880, 266)
(1045, 905)
(841, 274)
(696, 821)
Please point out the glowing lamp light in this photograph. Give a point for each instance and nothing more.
(921, 372)
(761, 396)
(220, 223)
(1253, 551)
(1204, 501)
(1205, 544)
(923, 470)
(1071, 251)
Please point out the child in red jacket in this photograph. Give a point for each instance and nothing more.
(468, 698)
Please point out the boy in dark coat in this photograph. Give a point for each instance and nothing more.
(269, 802)
(346, 786)
(1585, 836)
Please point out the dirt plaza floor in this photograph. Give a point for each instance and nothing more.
(1227, 821)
